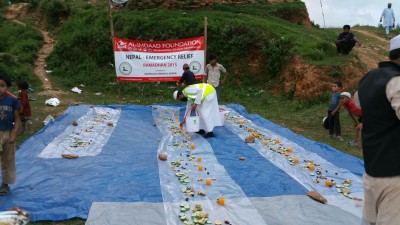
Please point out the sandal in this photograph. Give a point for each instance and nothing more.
(4, 190)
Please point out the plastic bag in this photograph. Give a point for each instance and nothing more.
(76, 90)
(49, 119)
(52, 102)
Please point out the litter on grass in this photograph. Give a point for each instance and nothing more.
(76, 90)
(49, 119)
(52, 102)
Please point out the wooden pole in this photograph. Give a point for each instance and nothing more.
(112, 40)
(205, 46)
(111, 19)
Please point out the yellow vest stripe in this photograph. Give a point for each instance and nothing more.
(206, 90)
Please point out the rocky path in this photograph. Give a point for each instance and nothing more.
(370, 52)
(40, 63)
(16, 11)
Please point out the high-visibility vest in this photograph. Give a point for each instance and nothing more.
(206, 89)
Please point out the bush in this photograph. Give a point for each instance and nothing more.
(318, 51)
(84, 54)
(34, 3)
(143, 4)
(18, 49)
(277, 51)
(23, 42)
(314, 54)
(53, 10)
(235, 37)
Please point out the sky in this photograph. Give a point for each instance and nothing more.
(340, 12)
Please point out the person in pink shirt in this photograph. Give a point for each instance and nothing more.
(355, 113)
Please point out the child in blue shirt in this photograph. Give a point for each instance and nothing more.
(333, 111)
(9, 125)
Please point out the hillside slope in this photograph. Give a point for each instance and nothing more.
(306, 80)
(299, 78)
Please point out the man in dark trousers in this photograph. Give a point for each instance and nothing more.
(188, 77)
(379, 98)
(346, 41)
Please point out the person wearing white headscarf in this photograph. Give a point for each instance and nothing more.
(203, 98)
(388, 19)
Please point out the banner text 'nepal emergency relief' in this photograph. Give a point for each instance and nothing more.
(152, 61)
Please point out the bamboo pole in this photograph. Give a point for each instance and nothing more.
(112, 40)
(205, 46)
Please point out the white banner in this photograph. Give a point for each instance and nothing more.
(151, 61)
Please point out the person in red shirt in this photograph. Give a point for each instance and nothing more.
(25, 113)
(355, 113)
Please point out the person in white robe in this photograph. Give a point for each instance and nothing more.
(388, 19)
(203, 98)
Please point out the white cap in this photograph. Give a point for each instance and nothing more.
(394, 43)
(175, 95)
(347, 94)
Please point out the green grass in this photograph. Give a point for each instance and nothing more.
(18, 50)
(380, 31)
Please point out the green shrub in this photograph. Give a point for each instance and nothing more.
(143, 4)
(25, 50)
(34, 3)
(335, 73)
(83, 55)
(318, 50)
(20, 41)
(325, 46)
(18, 50)
(314, 54)
(277, 51)
(236, 37)
(53, 10)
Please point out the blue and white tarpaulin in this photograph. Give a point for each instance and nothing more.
(87, 136)
(119, 179)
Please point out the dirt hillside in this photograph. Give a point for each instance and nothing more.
(305, 80)
(300, 79)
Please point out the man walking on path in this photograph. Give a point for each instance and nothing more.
(388, 19)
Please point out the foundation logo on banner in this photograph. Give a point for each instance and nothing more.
(122, 44)
(125, 68)
(195, 67)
